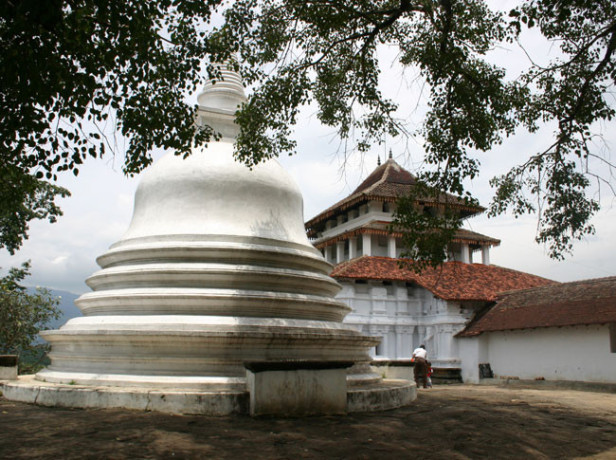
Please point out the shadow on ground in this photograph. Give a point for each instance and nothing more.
(448, 422)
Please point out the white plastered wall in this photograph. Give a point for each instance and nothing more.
(579, 353)
(473, 351)
(405, 317)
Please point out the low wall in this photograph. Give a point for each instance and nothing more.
(400, 369)
(580, 353)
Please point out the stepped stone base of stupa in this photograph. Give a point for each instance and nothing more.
(360, 397)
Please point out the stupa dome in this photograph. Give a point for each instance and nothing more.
(209, 193)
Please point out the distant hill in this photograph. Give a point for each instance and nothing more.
(66, 306)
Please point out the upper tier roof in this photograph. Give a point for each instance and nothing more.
(382, 228)
(567, 304)
(450, 281)
(388, 182)
(389, 174)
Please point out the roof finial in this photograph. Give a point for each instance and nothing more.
(390, 154)
(378, 160)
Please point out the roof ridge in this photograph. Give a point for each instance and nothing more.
(575, 303)
(388, 166)
(382, 180)
(566, 285)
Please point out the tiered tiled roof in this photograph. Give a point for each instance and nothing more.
(467, 236)
(568, 304)
(450, 281)
(388, 182)
(385, 177)
(382, 228)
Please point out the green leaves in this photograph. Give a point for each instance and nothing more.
(571, 93)
(327, 53)
(73, 71)
(23, 313)
(428, 220)
(24, 198)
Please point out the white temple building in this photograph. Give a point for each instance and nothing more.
(406, 308)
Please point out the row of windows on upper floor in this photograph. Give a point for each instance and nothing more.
(354, 213)
(372, 206)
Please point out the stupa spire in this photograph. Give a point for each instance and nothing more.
(224, 93)
(220, 99)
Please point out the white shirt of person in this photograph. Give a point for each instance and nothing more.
(420, 353)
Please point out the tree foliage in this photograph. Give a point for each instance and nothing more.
(427, 231)
(23, 313)
(24, 198)
(69, 68)
(83, 63)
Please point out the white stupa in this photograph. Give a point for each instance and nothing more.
(214, 271)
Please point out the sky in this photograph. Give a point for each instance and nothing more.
(97, 214)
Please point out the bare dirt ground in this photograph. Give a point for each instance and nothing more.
(453, 422)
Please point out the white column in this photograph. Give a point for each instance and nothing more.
(485, 255)
(328, 253)
(446, 341)
(391, 247)
(421, 335)
(339, 252)
(352, 247)
(399, 350)
(465, 253)
(385, 342)
(367, 244)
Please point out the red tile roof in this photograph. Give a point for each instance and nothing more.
(450, 281)
(388, 182)
(568, 304)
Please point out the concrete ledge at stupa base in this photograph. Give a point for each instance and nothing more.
(385, 395)
(297, 388)
(400, 369)
(27, 389)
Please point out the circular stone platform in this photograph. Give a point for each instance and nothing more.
(383, 395)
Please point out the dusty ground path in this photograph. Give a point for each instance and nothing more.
(453, 422)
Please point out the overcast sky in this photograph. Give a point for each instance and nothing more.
(99, 212)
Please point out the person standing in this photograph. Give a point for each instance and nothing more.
(420, 371)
